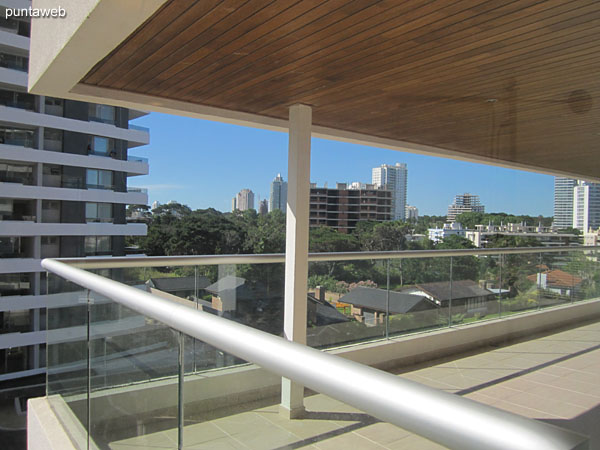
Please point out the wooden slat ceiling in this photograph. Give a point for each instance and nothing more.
(513, 80)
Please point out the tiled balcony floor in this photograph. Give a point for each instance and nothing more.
(555, 378)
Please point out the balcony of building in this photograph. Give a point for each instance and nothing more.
(486, 325)
(512, 85)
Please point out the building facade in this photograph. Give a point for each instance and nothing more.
(395, 179)
(464, 203)
(243, 201)
(411, 213)
(546, 236)
(263, 207)
(449, 229)
(563, 202)
(586, 206)
(278, 197)
(342, 208)
(64, 167)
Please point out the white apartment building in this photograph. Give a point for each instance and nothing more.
(395, 179)
(546, 236)
(586, 206)
(464, 203)
(449, 229)
(243, 201)
(563, 202)
(64, 167)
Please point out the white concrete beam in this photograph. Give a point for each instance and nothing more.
(296, 249)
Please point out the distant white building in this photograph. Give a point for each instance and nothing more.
(449, 229)
(155, 204)
(563, 202)
(395, 179)
(547, 236)
(586, 206)
(243, 201)
(464, 203)
(411, 213)
(591, 237)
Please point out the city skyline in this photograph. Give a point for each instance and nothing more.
(433, 181)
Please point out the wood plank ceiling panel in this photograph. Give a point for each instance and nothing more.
(512, 80)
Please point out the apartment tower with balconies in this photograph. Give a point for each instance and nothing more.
(64, 167)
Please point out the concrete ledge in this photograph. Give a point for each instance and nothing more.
(44, 430)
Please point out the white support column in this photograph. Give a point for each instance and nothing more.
(296, 247)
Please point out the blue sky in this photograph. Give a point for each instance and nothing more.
(204, 164)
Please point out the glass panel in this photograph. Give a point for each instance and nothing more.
(476, 288)
(346, 302)
(520, 276)
(67, 358)
(17, 100)
(133, 383)
(17, 136)
(54, 106)
(20, 63)
(105, 179)
(100, 145)
(424, 294)
(105, 211)
(102, 113)
(92, 177)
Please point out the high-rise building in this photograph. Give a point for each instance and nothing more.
(278, 198)
(464, 203)
(263, 207)
(395, 179)
(586, 206)
(342, 208)
(244, 200)
(64, 167)
(563, 202)
(411, 212)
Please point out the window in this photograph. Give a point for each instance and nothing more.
(49, 240)
(102, 113)
(99, 179)
(98, 245)
(102, 146)
(16, 136)
(53, 139)
(15, 62)
(14, 99)
(53, 106)
(16, 173)
(98, 212)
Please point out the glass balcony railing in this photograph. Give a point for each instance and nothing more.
(139, 128)
(134, 189)
(137, 159)
(142, 352)
(110, 121)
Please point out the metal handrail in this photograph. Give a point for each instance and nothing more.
(270, 258)
(453, 421)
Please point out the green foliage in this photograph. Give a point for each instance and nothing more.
(470, 219)
(173, 209)
(506, 241)
(454, 242)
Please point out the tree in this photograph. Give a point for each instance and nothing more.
(384, 236)
(173, 208)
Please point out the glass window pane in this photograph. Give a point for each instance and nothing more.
(105, 210)
(92, 177)
(100, 145)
